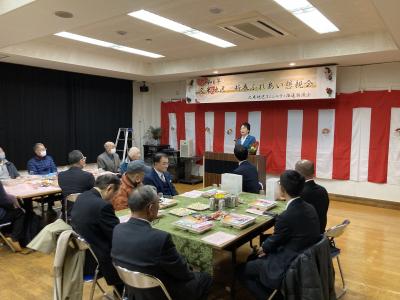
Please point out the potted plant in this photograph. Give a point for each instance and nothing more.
(153, 135)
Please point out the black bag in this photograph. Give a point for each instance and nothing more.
(32, 226)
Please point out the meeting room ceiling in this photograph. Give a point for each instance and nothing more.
(369, 32)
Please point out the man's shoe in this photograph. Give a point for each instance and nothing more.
(14, 244)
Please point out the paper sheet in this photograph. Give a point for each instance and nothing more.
(219, 238)
(192, 194)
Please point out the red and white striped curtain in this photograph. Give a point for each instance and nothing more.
(353, 137)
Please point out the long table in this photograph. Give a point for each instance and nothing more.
(201, 254)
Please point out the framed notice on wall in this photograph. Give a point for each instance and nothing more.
(293, 84)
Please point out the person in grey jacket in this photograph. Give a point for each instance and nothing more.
(109, 159)
(7, 168)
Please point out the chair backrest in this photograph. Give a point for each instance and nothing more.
(140, 280)
(337, 230)
(5, 224)
(72, 197)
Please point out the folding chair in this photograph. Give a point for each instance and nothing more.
(83, 245)
(140, 281)
(331, 234)
(3, 237)
(70, 198)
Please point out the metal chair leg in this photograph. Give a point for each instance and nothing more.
(272, 295)
(92, 288)
(344, 287)
(6, 242)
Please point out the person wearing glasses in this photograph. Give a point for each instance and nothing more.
(159, 177)
(74, 180)
(138, 246)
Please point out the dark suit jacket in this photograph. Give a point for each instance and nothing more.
(166, 188)
(94, 219)
(75, 180)
(139, 247)
(318, 197)
(249, 176)
(296, 229)
(247, 142)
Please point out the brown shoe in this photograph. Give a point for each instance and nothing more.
(14, 244)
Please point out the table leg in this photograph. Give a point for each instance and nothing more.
(233, 282)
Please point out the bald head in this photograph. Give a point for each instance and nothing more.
(134, 153)
(306, 168)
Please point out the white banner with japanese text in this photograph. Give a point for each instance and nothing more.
(293, 84)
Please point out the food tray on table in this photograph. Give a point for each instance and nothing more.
(193, 224)
(237, 220)
(198, 206)
(167, 202)
(181, 212)
(263, 204)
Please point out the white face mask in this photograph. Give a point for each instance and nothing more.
(112, 151)
(2, 156)
(43, 153)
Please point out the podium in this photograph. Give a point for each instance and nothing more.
(216, 164)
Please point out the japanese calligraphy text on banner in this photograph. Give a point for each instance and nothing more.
(294, 84)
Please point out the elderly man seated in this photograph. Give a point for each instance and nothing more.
(10, 211)
(74, 180)
(109, 159)
(132, 178)
(7, 168)
(137, 246)
(133, 154)
(41, 163)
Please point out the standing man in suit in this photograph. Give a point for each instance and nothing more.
(138, 246)
(245, 139)
(74, 180)
(313, 193)
(247, 170)
(109, 159)
(93, 217)
(296, 229)
(159, 177)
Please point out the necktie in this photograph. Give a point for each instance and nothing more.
(162, 177)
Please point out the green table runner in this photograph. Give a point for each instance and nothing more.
(197, 252)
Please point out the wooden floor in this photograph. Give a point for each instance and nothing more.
(370, 258)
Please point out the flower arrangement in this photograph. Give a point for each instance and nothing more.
(329, 91)
(153, 135)
(253, 148)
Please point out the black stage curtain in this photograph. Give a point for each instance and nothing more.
(62, 110)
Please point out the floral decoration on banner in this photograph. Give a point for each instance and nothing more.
(329, 91)
(201, 81)
(229, 131)
(328, 73)
(325, 131)
(253, 148)
(207, 129)
(172, 128)
(397, 130)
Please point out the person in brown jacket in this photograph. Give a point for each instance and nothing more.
(132, 178)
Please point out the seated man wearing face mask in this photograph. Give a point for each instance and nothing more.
(7, 168)
(41, 163)
(109, 159)
(132, 178)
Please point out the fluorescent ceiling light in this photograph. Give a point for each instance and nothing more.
(85, 39)
(308, 14)
(177, 27)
